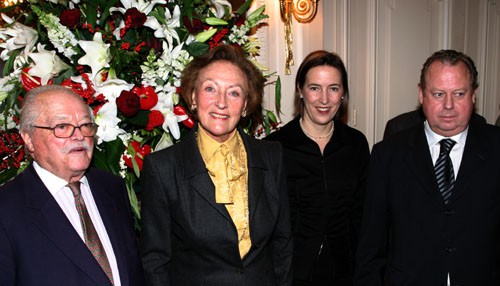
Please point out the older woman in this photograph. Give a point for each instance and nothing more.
(326, 163)
(214, 206)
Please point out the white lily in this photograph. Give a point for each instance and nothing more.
(218, 7)
(96, 54)
(6, 86)
(47, 64)
(108, 120)
(17, 36)
(165, 142)
(166, 31)
(170, 124)
(143, 6)
(166, 106)
(112, 88)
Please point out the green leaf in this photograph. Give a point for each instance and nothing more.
(91, 13)
(9, 65)
(197, 49)
(213, 21)
(106, 4)
(187, 9)
(277, 96)
(159, 13)
(140, 119)
(134, 202)
(256, 13)
(244, 7)
(108, 158)
(271, 116)
(205, 35)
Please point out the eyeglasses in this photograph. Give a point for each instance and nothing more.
(66, 130)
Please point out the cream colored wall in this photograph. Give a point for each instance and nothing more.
(384, 44)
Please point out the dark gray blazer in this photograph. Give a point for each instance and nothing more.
(39, 246)
(188, 239)
(409, 236)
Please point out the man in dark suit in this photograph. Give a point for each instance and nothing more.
(421, 224)
(61, 222)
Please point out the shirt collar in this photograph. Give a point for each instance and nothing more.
(433, 138)
(208, 145)
(53, 183)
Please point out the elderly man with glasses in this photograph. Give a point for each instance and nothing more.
(62, 222)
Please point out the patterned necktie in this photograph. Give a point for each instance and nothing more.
(444, 169)
(89, 233)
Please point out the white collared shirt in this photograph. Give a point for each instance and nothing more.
(456, 152)
(64, 198)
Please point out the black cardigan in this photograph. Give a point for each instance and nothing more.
(325, 192)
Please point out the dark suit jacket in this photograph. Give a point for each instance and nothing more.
(39, 246)
(409, 235)
(188, 239)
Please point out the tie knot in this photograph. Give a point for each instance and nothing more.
(446, 145)
(75, 188)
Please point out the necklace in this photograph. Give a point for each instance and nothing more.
(316, 137)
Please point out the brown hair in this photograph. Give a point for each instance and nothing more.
(235, 56)
(320, 58)
(451, 57)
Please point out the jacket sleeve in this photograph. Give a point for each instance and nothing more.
(155, 225)
(7, 268)
(371, 257)
(282, 236)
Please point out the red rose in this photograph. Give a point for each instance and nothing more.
(134, 18)
(147, 96)
(155, 119)
(128, 103)
(195, 27)
(70, 18)
(155, 44)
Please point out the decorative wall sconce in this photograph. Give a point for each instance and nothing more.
(303, 11)
(7, 3)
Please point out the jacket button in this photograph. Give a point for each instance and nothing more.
(239, 270)
(450, 249)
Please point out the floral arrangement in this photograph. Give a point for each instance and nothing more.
(124, 57)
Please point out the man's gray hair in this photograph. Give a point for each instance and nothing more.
(31, 109)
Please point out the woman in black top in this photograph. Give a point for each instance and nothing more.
(326, 163)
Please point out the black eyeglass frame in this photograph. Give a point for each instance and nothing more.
(90, 124)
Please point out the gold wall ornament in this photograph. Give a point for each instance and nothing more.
(303, 11)
(7, 3)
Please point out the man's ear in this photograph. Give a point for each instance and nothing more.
(420, 94)
(27, 142)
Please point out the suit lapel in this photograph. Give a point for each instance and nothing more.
(255, 177)
(473, 159)
(420, 162)
(46, 214)
(196, 173)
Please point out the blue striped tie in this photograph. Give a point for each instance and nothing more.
(444, 169)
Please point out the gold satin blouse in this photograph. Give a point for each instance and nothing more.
(227, 166)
